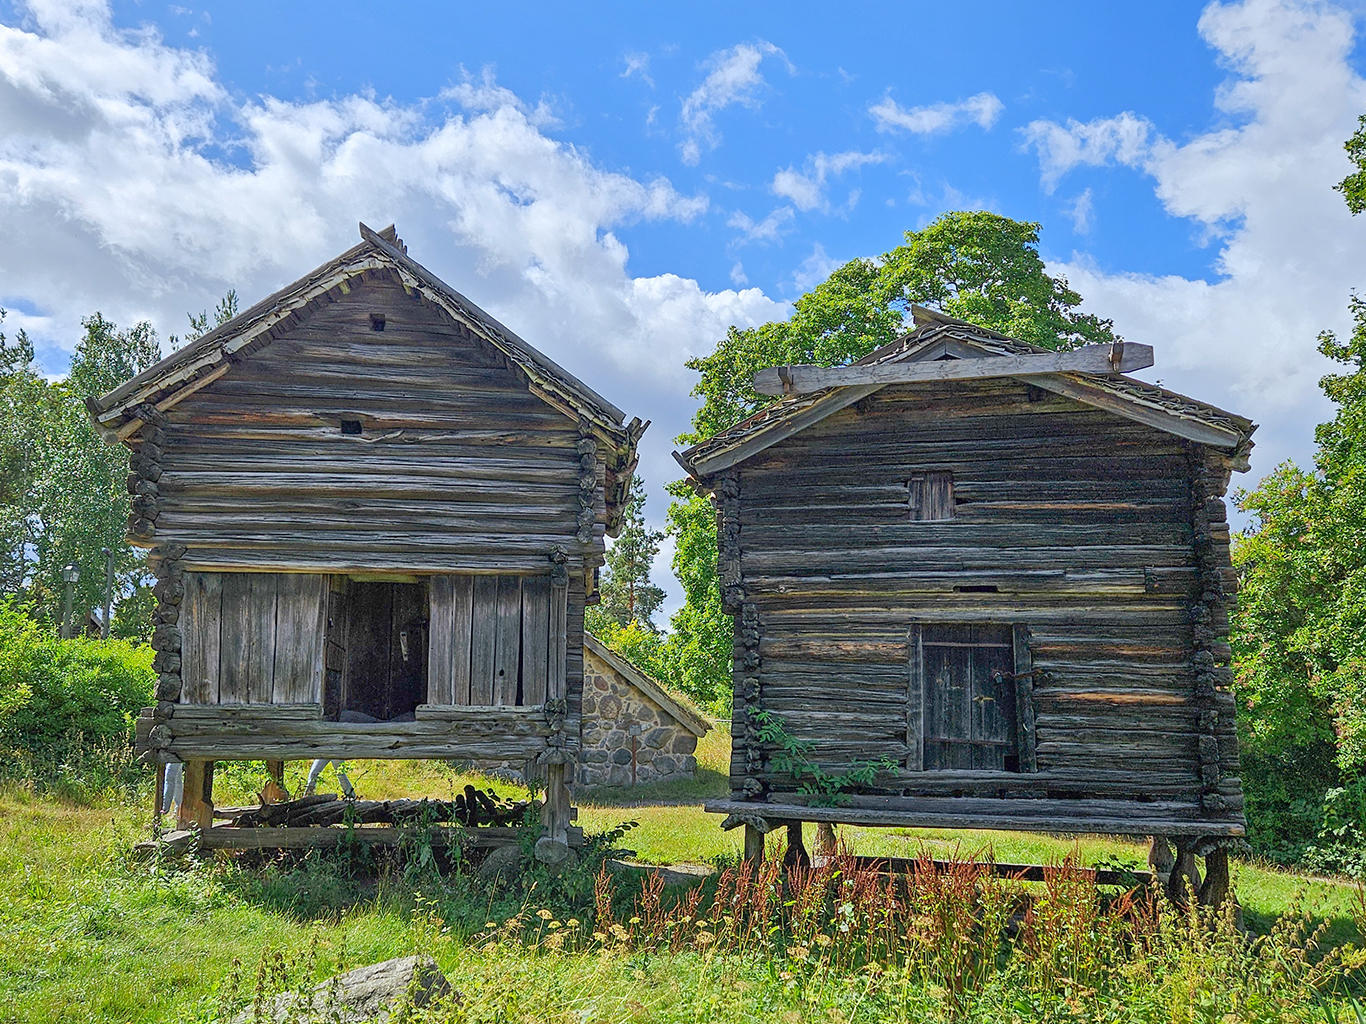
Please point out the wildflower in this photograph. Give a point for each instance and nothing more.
(705, 938)
(799, 952)
(490, 924)
(600, 936)
(824, 941)
(555, 924)
(573, 922)
(544, 914)
(635, 920)
(554, 941)
(619, 932)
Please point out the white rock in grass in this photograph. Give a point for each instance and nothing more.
(365, 994)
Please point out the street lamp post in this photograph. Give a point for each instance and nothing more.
(108, 591)
(71, 575)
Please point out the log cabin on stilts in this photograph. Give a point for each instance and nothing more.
(375, 516)
(996, 574)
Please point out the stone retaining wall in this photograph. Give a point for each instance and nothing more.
(614, 713)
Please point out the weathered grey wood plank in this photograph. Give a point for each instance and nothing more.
(558, 679)
(535, 638)
(200, 621)
(247, 661)
(801, 379)
(484, 640)
(1135, 825)
(300, 628)
(507, 642)
(452, 612)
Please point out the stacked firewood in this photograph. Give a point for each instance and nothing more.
(472, 807)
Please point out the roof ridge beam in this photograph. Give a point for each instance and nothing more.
(1119, 357)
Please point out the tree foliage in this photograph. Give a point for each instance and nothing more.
(1300, 628)
(62, 488)
(1299, 632)
(627, 593)
(972, 265)
(1353, 187)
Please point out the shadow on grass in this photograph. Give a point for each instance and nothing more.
(706, 784)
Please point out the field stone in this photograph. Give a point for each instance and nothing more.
(503, 860)
(365, 994)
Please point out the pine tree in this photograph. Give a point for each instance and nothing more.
(627, 593)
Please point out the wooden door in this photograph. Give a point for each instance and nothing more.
(968, 697)
(386, 648)
(407, 650)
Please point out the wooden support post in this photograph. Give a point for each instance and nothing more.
(754, 845)
(553, 847)
(1217, 885)
(274, 792)
(1184, 882)
(796, 856)
(826, 844)
(1161, 859)
(196, 809)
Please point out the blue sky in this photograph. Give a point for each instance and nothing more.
(622, 182)
(617, 80)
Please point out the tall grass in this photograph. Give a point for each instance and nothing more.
(963, 941)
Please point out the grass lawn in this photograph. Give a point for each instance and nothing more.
(90, 934)
(673, 829)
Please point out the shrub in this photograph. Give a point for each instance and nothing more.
(64, 703)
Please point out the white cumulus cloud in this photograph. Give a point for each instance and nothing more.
(115, 194)
(806, 188)
(734, 78)
(1124, 139)
(1290, 253)
(937, 118)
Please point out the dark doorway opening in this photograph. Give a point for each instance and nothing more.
(386, 649)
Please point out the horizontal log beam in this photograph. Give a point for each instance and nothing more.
(1021, 821)
(501, 734)
(1120, 357)
(313, 837)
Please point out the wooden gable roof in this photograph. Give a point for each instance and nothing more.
(937, 336)
(122, 413)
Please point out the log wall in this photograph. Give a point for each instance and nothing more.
(457, 467)
(372, 435)
(1098, 539)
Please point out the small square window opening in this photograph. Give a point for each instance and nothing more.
(930, 496)
(350, 426)
(376, 321)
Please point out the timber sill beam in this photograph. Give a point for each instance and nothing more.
(1120, 357)
(1136, 824)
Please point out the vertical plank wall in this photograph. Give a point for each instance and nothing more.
(491, 642)
(253, 638)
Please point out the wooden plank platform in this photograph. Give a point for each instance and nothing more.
(1010, 815)
(322, 837)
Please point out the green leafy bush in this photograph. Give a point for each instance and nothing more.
(63, 702)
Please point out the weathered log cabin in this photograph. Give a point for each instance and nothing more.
(375, 516)
(1002, 578)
